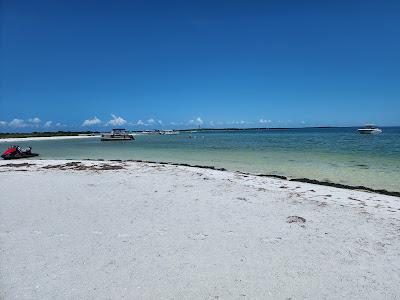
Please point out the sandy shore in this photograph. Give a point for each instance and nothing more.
(112, 230)
(45, 138)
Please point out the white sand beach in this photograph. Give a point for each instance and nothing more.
(112, 230)
(45, 138)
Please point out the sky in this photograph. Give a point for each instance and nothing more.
(93, 65)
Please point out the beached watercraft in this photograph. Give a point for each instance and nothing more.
(16, 152)
(369, 129)
(117, 135)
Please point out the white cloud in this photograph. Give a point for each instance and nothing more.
(60, 125)
(264, 121)
(17, 123)
(149, 122)
(48, 123)
(237, 122)
(197, 121)
(116, 121)
(35, 120)
(91, 122)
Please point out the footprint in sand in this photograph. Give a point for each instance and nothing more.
(198, 236)
(271, 240)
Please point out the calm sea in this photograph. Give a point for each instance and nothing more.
(339, 155)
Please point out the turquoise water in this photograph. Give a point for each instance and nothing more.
(339, 155)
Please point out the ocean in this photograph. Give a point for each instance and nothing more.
(337, 155)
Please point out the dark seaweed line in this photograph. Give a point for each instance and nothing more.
(304, 180)
(338, 185)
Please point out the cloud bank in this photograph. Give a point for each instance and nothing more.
(116, 121)
(91, 122)
(264, 121)
(197, 121)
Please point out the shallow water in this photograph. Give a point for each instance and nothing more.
(338, 155)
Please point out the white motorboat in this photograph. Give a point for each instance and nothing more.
(151, 132)
(369, 129)
(169, 132)
(117, 135)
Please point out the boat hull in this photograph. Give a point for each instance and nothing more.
(19, 155)
(369, 131)
(104, 139)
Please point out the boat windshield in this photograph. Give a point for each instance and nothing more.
(118, 131)
(370, 126)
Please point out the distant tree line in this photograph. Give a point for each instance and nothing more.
(45, 134)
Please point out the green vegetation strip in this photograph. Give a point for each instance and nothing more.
(45, 134)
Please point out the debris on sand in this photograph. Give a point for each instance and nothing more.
(242, 199)
(17, 165)
(295, 219)
(77, 166)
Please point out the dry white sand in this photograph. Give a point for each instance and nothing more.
(151, 231)
(45, 138)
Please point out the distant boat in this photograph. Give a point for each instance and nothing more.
(151, 132)
(117, 135)
(169, 132)
(369, 129)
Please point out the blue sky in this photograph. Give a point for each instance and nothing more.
(75, 65)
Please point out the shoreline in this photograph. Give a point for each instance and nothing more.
(45, 138)
(286, 178)
(139, 230)
(303, 180)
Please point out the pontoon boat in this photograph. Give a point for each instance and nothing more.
(117, 135)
